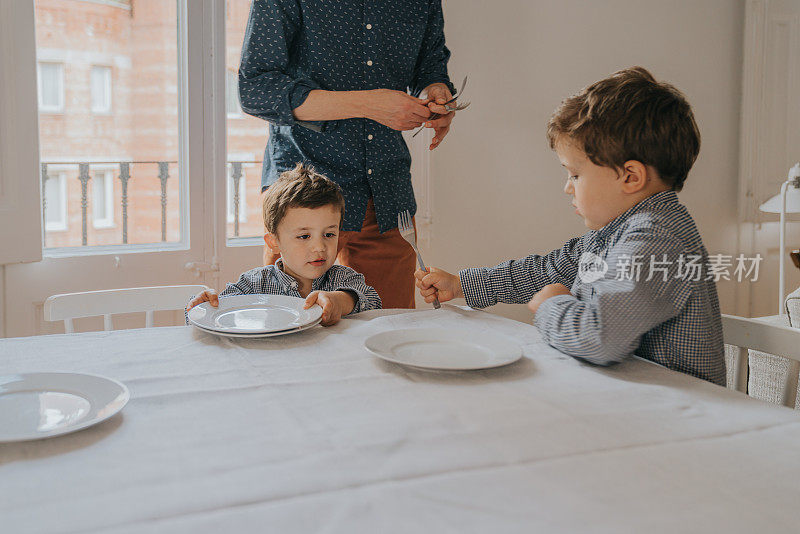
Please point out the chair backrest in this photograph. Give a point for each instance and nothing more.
(69, 306)
(762, 336)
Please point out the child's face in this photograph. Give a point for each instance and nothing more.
(596, 191)
(307, 240)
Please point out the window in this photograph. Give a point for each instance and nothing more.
(51, 87)
(103, 199)
(55, 202)
(101, 89)
(242, 197)
(232, 94)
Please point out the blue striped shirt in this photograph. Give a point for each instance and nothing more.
(271, 280)
(657, 298)
(294, 46)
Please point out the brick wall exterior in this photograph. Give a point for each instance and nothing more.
(137, 39)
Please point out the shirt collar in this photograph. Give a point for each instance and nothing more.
(289, 281)
(663, 197)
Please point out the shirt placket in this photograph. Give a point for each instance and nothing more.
(600, 250)
(370, 130)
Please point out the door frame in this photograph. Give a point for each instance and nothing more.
(27, 285)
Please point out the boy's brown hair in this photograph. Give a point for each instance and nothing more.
(301, 187)
(631, 116)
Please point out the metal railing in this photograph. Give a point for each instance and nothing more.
(124, 177)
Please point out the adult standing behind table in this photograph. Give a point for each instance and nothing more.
(332, 78)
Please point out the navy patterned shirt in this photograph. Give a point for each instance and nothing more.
(271, 280)
(639, 285)
(294, 46)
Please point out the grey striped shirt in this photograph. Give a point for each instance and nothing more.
(657, 299)
(271, 280)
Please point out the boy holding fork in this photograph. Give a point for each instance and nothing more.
(303, 213)
(625, 287)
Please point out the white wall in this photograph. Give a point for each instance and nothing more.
(497, 187)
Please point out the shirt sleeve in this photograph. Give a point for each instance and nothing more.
(265, 89)
(516, 281)
(431, 64)
(626, 303)
(353, 282)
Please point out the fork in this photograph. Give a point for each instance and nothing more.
(406, 227)
(459, 107)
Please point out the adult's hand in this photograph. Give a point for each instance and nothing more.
(437, 94)
(396, 109)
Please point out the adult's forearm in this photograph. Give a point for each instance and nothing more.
(323, 105)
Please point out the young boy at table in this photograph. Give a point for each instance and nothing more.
(303, 212)
(637, 282)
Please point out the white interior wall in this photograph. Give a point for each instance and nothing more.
(497, 187)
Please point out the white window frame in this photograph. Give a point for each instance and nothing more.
(105, 109)
(107, 174)
(20, 173)
(58, 108)
(232, 88)
(60, 175)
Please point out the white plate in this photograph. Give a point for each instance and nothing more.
(41, 405)
(254, 314)
(440, 348)
(262, 334)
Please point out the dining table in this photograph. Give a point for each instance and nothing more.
(312, 433)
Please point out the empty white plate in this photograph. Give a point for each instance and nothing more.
(259, 335)
(439, 348)
(254, 314)
(41, 405)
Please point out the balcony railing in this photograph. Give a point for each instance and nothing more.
(125, 176)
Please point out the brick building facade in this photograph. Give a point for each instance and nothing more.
(108, 93)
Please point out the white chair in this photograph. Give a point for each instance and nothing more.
(69, 306)
(763, 336)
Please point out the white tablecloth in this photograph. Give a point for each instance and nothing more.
(310, 433)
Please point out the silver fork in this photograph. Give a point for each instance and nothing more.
(447, 106)
(406, 227)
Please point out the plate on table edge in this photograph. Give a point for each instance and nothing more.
(204, 316)
(261, 334)
(384, 345)
(103, 404)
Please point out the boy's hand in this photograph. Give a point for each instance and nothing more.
(550, 290)
(205, 296)
(435, 283)
(334, 305)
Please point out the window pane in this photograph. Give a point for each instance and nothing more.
(246, 135)
(50, 86)
(99, 197)
(232, 93)
(85, 48)
(52, 196)
(101, 89)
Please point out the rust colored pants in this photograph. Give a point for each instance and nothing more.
(386, 260)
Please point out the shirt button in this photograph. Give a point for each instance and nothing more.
(369, 137)
(369, 171)
(369, 26)
(369, 63)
